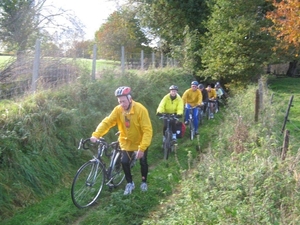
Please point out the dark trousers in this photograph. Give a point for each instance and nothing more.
(126, 159)
(172, 126)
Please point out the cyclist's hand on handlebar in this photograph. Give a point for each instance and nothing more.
(93, 139)
(179, 116)
(159, 114)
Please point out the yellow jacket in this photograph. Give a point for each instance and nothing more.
(167, 105)
(212, 93)
(138, 134)
(191, 97)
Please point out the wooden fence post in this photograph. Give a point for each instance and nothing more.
(256, 105)
(285, 146)
(123, 60)
(287, 113)
(94, 62)
(36, 64)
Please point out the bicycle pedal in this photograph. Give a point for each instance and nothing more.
(111, 185)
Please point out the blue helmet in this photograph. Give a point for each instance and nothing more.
(194, 83)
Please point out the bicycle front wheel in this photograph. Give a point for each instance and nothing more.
(117, 175)
(167, 145)
(87, 184)
(192, 130)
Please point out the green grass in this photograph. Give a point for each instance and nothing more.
(237, 177)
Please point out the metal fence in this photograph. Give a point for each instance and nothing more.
(40, 69)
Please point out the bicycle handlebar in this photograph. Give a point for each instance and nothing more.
(168, 116)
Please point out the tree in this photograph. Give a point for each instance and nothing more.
(286, 22)
(178, 25)
(121, 29)
(23, 21)
(235, 47)
(286, 28)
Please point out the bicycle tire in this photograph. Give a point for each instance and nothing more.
(88, 183)
(200, 116)
(208, 112)
(192, 129)
(167, 144)
(117, 175)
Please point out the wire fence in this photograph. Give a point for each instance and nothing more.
(31, 71)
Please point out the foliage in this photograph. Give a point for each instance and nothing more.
(14, 15)
(24, 21)
(286, 23)
(121, 29)
(176, 28)
(235, 47)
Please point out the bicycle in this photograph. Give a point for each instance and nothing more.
(168, 144)
(191, 122)
(201, 111)
(92, 175)
(209, 112)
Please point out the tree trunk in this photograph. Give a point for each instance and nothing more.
(292, 68)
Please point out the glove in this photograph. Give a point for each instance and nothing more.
(159, 114)
(178, 116)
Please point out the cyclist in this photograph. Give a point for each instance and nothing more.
(135, 128)
(192, 97)
(204, 96)
(171, 103)
(212, 96)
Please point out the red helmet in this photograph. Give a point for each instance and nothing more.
(122, 91)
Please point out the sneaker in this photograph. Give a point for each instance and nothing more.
(196, 133)
(211, 115)
(128, 189)
(174, 137)
(186, 122)
(144, 186)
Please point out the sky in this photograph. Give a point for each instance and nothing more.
(92, 13)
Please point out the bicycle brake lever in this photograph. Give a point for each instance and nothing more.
(80, 144)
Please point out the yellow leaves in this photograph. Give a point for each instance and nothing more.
(286, 19)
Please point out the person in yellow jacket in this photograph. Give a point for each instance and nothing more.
(192, 98)
(212, 96)
(171, 104)
(135, 127)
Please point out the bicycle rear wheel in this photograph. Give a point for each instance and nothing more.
(87, 184)
(192, 129)
(167, 145)
(117, 175)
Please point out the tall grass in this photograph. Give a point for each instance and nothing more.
(39, 134)
(237, 177)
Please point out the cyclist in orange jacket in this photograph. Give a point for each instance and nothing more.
(192, 97)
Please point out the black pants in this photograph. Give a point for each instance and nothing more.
(172, 126)
(126, 159)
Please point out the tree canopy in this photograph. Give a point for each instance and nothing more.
(286, 22)
(121, 29)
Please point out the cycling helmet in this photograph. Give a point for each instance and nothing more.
(217, 85)
(122, 91)
(194, 83)
(200, 86)
(173, 87)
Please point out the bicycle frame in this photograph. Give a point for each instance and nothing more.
(191, 121)
(92, 175)
(168, 144)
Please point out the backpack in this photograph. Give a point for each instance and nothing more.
(180, 129)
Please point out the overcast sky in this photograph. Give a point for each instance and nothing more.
(92, 13)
